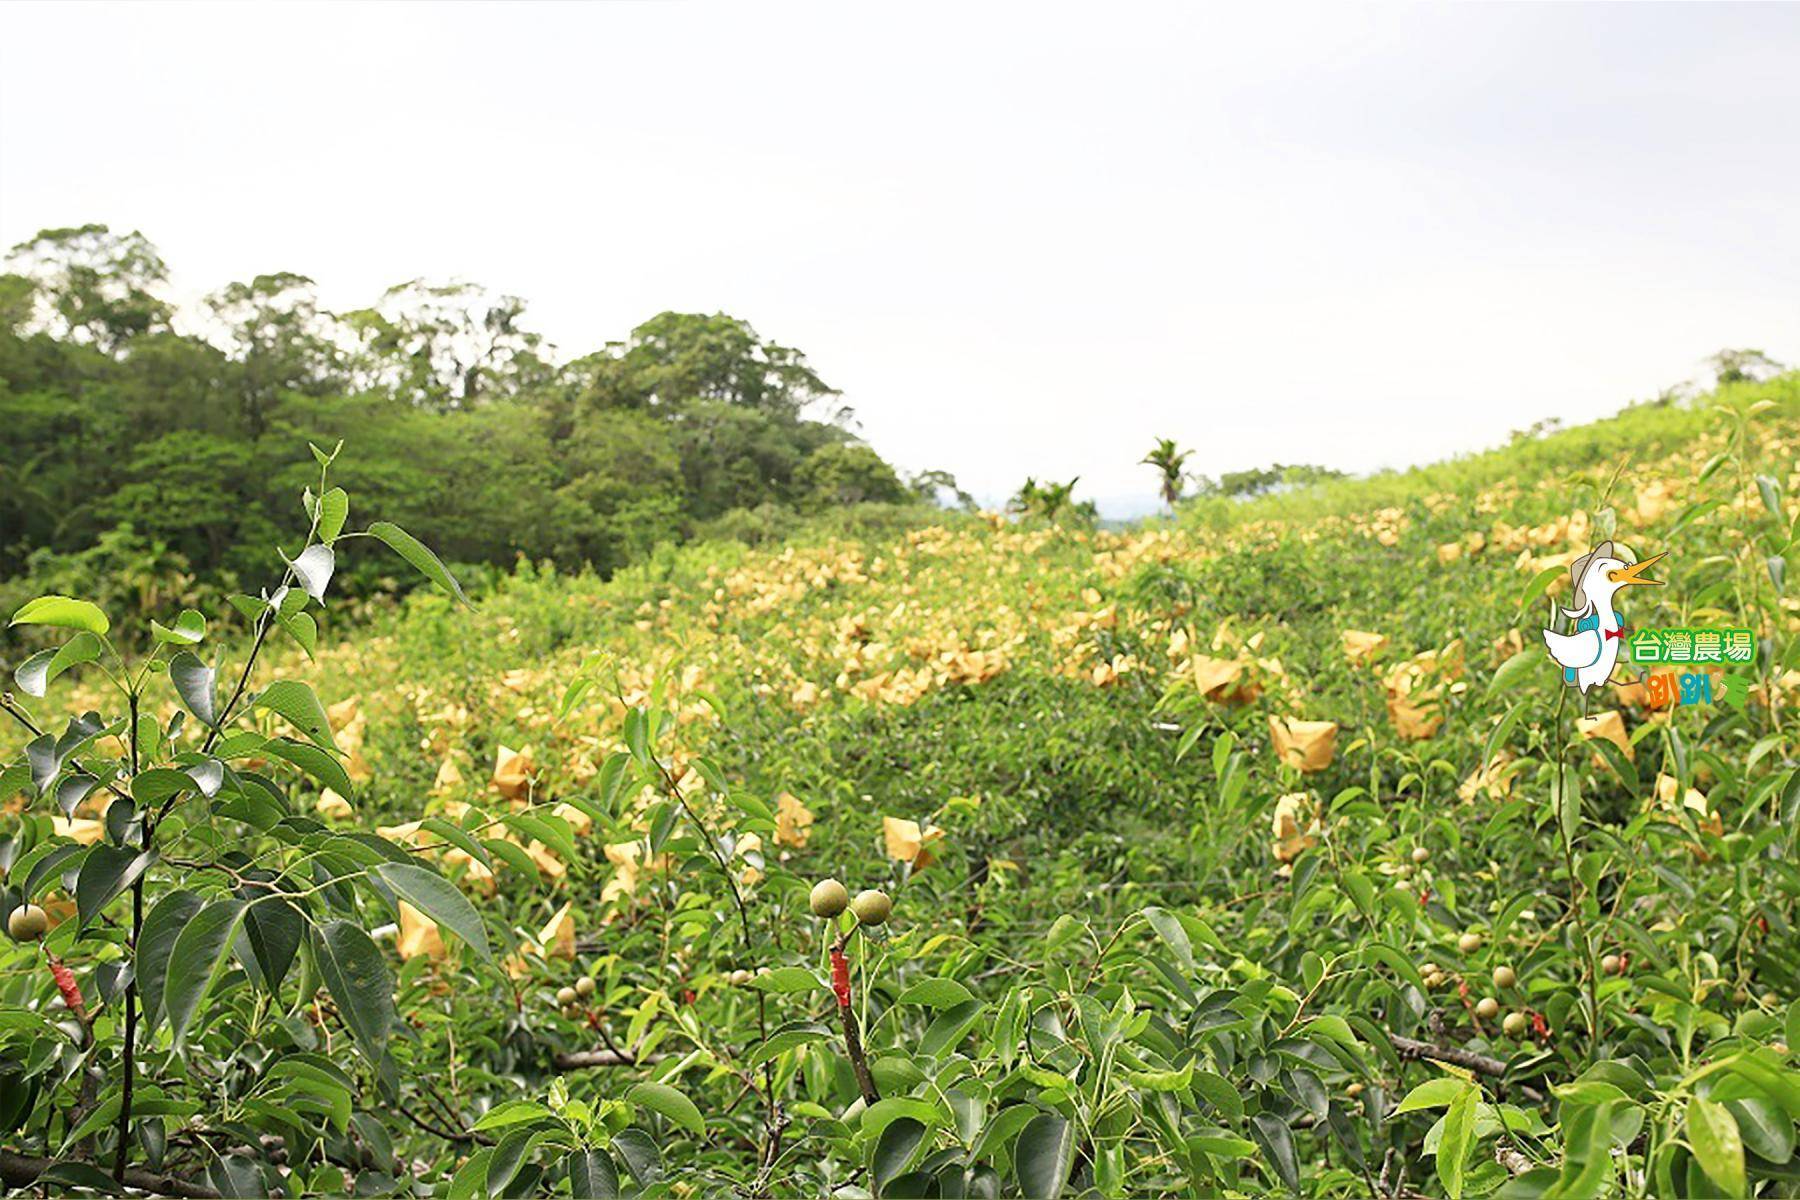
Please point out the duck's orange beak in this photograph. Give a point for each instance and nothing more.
(1626, 576)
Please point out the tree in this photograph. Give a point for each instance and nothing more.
(1743, 366)
(842, 473)
(274, 328)
(1258, 481)
(94, 286)
(930, 485)
(446, 346)
(1168, 461)
(675, 360)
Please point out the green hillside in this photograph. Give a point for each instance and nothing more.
(1253, 853)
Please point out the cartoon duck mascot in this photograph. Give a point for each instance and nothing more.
(1588, 654)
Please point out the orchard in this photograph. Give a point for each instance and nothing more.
(1258, 852)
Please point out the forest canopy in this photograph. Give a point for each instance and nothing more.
(172, 442)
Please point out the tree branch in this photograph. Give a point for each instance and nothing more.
(23, 1170)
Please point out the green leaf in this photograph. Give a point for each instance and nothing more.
(63, 612)
(49, 861)
(315, 762)
(1513, 670)
(415, 552)
(1539, 582)
(784, 981)
(197, 685)
(936, 993)
(895, 1150)
(35, 675)
(1453, 1145)
(1170, 929)
(438, 899)
(592, 1175)
(661, 1098)
(512, 1113)
(1565, 795)
(197, 958)
(1043, 1156)
(296, 703)
(158, 784)
(188, 629)
(1277, 1144)
(273, 929)
(333, 511)
(458, 837)
(1433, 1093)
(105, 873)
(949, 1027)
(358, 979)
(1712, 1132)
(1768, 1133)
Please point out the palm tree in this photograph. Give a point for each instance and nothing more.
(1167, 458)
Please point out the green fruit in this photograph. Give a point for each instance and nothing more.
(1515, 1024)
(829, 898)
(1504, 977)
(28, 923)
(1469, 943)
(1487, 1008)
(584, 987)
(1420, 854)
(872, 907)
(565, 996)
(1611, 964)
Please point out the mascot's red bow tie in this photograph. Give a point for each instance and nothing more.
(1615, 633)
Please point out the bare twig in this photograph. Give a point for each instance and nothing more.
(1481, 1064)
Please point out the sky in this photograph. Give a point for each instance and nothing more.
(1023, 239)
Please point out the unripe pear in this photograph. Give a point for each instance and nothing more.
(1515, 1024)
(565, 996)
(1421, 854)
(584, 987)
(872, 907)
(1611, 964)
(28, 923)
(1487, 1008)
(829, 898)
(1504, 977)
(1469, 942)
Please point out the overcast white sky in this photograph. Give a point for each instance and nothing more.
(1022, 238)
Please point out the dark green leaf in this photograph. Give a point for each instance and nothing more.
(592, 1175)
(661, 1098)
(438, 899)
(296, 703)
(359, 982)
(156, 944)
(895, 1148)
(415, 552)
(1043, 1156)
(1277, 1143)
(106, 872)
(196, 960)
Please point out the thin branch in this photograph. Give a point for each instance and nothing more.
(23, 1170)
